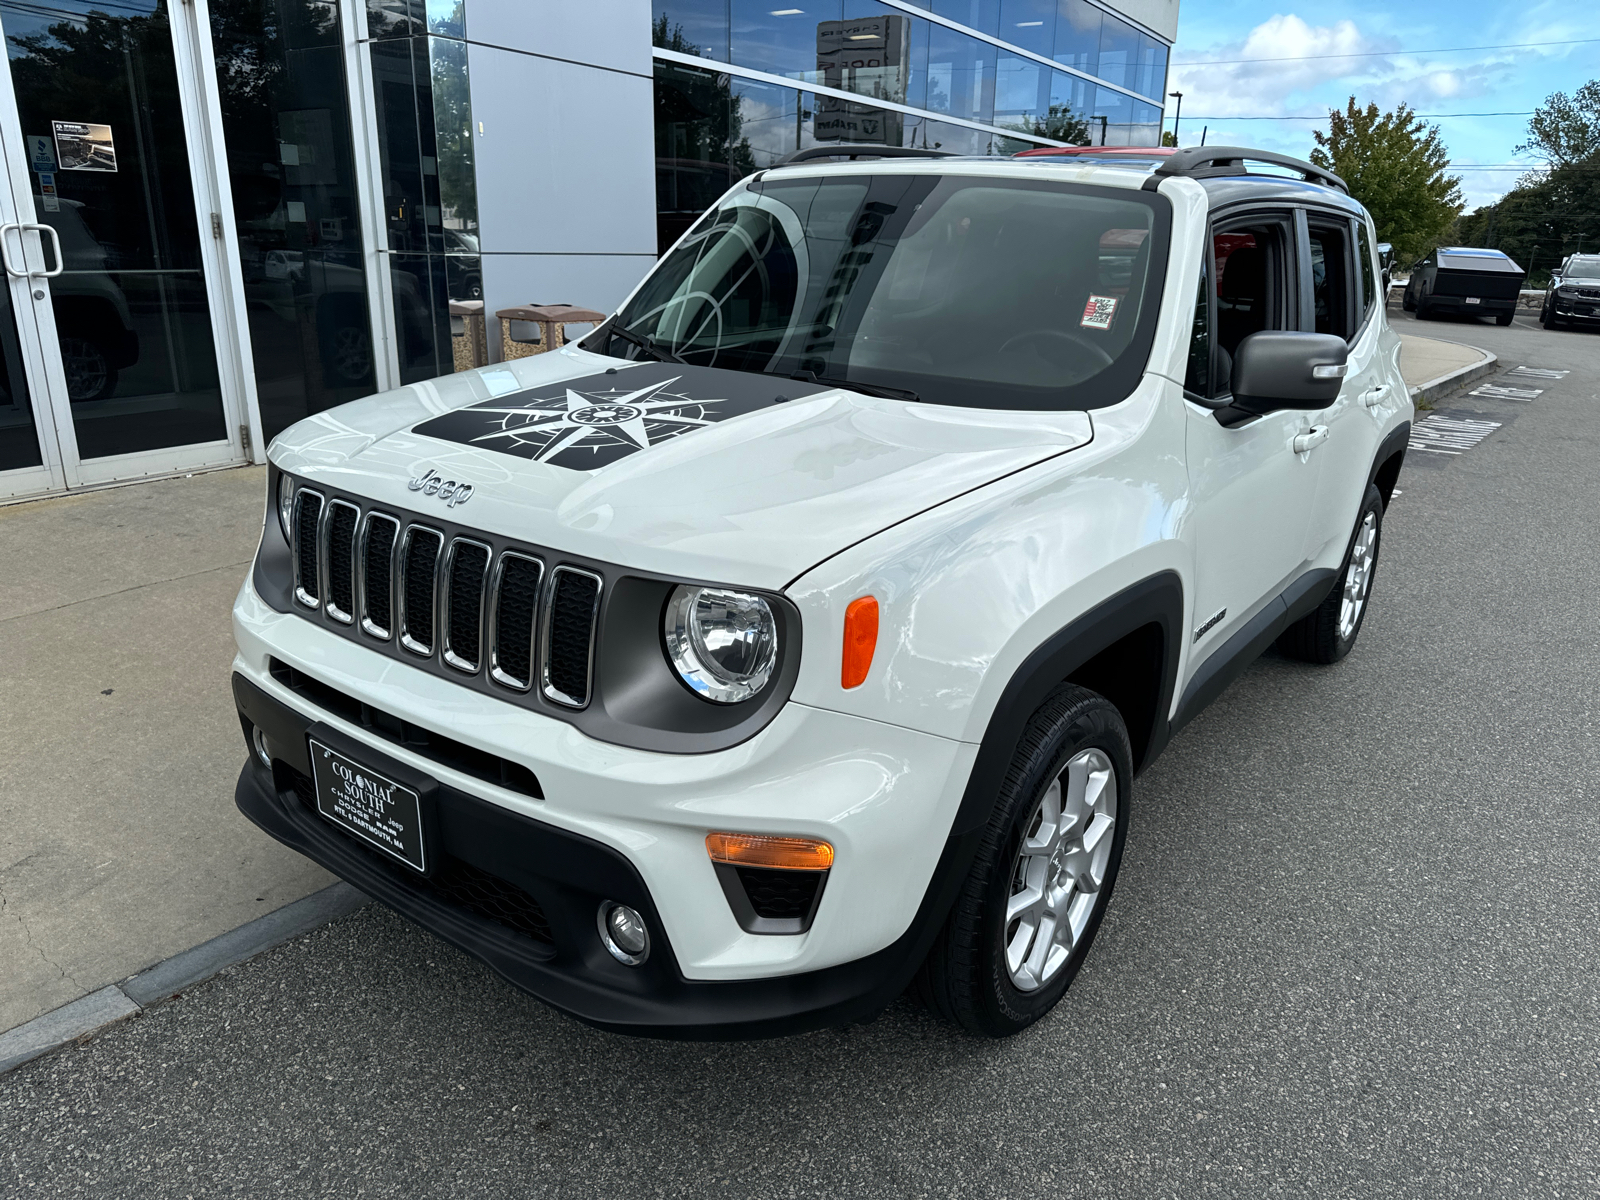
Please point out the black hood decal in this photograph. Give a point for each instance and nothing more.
(591, 422)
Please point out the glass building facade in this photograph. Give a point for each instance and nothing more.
(972, 76)
(228, 217)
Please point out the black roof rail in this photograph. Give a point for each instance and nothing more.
(1205, 162)
(854, 151)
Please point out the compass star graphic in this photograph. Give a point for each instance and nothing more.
(593, 425)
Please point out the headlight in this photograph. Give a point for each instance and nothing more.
(724, 644)
(286, 507)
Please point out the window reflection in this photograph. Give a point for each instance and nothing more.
(131, 309)
(425, 133)
(713, 129)
(285, 119)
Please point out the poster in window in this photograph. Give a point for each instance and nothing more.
(81, 146)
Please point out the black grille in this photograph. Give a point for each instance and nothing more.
(780, 894)
(453, 880)
(515, 605)
(379, 570)
(422, 555)
(341, 557)
(469, 564)
(570, 635)
(308, 512)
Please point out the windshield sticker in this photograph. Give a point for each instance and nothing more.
(588, 423)
(1097, 313)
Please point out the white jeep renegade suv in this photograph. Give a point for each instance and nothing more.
(797, 637)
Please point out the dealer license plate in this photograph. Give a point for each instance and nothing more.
(1473, 300)
(376, 809)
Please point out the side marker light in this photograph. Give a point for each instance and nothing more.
(860, 640)
(757, 850)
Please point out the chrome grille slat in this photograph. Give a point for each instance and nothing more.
(571, 606)
(513, 613)
(380, 537)
(338, 559)
(491, 618)
(308, 508)
(461, 597)
(417, 588)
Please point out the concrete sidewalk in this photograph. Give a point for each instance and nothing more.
(119, 747)
(1432, 367)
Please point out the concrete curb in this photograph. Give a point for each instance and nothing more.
(1460, 377)
(116, 1002)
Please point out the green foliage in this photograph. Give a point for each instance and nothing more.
(1541, 220)
(1169, 139)
(1397, 166)
(1566, 129)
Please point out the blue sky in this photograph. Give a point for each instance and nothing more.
(1407, 55)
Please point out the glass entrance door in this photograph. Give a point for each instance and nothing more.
(106, 245)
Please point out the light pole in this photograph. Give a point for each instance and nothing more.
(1177, 116)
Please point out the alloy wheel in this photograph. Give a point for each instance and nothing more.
(1060, 869)
(1358, 576)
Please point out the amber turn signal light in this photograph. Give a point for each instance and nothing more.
(860, 640)
(756, 850)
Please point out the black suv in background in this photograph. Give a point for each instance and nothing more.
(1467, 280)
(1573, 294)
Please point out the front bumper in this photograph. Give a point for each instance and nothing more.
(1575, 310)
(521, 896)
(609, 823)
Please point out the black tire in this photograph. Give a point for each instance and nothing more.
(1503, 319)
(1406, 302)
(90, 375)
(964, 978)
(1315, 637)
(1424, 313)
(1549, 319)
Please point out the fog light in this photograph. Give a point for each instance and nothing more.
(624, 933)
(259, 741)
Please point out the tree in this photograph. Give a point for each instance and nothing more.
(1397, 166)
(1566, 129)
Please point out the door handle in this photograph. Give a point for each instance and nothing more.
(1375, 397)
(55, 241)
(5, 250)
(1310, 439)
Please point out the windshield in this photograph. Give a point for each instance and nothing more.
(1589, 269)
(970, 291)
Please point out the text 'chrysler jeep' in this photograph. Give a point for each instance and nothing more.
(796, 638)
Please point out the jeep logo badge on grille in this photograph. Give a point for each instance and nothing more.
(431, 483)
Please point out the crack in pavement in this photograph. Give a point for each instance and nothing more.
(34, 612)
(27, 937)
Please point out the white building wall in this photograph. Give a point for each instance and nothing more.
(565, 153)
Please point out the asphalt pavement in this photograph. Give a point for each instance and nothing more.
(1353, 952)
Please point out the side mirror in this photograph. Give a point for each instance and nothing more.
(1387, 281)
(1276, 369)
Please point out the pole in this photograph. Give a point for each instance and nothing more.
(1102, 121)
(1177, 116)
(1203, 130)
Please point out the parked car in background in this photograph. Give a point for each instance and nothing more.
(1573, 294)
(1467, 280)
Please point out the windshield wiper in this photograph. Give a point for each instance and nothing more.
(870, 389)
(647, 344)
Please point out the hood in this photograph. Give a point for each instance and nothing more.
(707, 474)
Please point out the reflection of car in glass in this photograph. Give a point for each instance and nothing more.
(1466, 280)
(1573, 295)
(463, 266)
(93, 324)
(795, 638)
